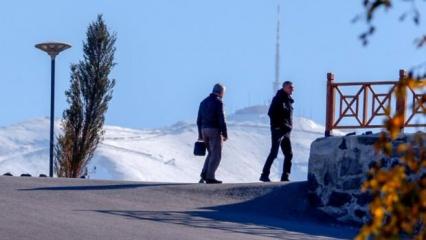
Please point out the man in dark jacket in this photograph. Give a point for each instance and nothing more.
(281, 118)
(212, 130)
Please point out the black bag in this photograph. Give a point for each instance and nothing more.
(200, 148)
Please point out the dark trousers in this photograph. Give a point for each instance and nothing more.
(213, 139)
(279, 138)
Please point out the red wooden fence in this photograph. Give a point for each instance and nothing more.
(364, 114)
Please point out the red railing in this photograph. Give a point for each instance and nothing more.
(355, 106)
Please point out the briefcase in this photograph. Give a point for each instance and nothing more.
(200, 148)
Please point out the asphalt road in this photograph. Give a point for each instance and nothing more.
(68, 209)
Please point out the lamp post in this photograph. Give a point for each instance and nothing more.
(53, 49)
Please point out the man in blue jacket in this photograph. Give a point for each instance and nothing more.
(212, 130)
(281, 119)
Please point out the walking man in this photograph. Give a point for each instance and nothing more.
(281, 119)
(212, 130)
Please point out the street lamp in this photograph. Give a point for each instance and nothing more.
(53, 49)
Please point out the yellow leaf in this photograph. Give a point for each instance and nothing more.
(402, 148)
(423, 198)
(379, 213)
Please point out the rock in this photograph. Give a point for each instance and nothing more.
(8, 174)
(363, 198)
(338, 199)
(352, 183)
(350, 166)
(359, 213)
(327, 179)
(367, 140)
(334, 211)
(312, 182)
(342, 145)
(25, 175)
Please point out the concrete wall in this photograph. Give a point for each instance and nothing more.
(337, 168)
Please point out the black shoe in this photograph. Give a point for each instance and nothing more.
(203, 178)
(264, 178)
(284, 178)
(213, 181)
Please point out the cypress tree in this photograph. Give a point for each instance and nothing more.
(90, 91)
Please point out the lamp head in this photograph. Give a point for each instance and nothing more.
(52, 48)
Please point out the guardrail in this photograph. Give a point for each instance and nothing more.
(356, 105)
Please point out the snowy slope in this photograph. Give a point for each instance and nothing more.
(163, 154)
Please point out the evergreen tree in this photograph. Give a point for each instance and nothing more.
(88, 97)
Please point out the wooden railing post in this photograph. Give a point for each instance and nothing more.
(330, 105)
(365, 104)
(401, 101)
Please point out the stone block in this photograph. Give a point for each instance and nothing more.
(328, 179)
(367, 140)
(342, 145)
(359, 213)
(338, 199)
(312, 182)
(350, 166)
(363, 198)
(352, 183)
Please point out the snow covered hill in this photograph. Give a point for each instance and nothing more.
(165, 154)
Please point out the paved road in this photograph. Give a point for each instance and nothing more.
(68, 209)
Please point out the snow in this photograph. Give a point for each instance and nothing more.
(164, 155)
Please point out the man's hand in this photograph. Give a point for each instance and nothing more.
(225, 138)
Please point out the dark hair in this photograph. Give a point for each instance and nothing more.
(286, 83)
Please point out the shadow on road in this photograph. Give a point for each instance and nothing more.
(283, 213)
(211, 220)
(96, 187)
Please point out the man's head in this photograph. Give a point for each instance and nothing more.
(219, 90)
(288, 87)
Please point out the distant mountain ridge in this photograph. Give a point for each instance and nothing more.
(163, 154)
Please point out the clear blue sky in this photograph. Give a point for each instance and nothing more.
(171, 52)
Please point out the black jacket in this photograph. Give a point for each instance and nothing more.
(281, 111)
(210, 115)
